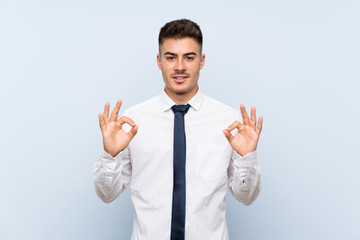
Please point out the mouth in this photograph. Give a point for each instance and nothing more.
(179, 78)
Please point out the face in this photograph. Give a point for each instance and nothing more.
(180, 61)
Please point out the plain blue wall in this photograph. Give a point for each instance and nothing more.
(296, 61)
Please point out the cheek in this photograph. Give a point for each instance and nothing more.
(166, 68)
(194, 69)
(166, 72)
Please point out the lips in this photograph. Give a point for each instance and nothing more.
(179, 78)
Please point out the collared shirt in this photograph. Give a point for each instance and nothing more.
(212, 166)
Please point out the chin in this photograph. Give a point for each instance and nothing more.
(180, 88)
(183, 91)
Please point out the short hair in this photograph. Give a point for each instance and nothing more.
(179, 29)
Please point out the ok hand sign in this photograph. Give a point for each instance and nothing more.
(115, 139)
(247, 137)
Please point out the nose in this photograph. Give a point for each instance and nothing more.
(180, 65)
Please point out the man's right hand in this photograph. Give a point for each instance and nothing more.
(115, 138)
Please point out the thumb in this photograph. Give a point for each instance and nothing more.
(228, 135)
(133, 131)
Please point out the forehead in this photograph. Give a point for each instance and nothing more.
(180, 46)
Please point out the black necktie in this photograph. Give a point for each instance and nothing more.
(178, 204)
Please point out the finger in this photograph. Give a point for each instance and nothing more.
(127, 120)
(234, 125)
(101, 120)
(133, 132)
(244, 114)
(259, 126)
(228, 135)
(106, 112)
(115, 112)
(253, 117)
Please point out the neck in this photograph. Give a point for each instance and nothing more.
(182, 98)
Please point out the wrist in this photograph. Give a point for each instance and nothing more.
(112, 152)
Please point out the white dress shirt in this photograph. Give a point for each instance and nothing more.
(211, 166)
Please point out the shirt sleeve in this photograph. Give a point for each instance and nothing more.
(244, 177)
(112, 175)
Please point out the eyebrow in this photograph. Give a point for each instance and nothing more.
(174, 54)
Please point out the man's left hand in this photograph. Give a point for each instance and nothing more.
(246, 139)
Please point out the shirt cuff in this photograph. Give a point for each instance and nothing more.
(109, 162)
(248, 160)
(107, 157)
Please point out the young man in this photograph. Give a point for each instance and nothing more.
(179, 153)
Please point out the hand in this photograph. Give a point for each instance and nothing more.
(115, 139)
(247, 137)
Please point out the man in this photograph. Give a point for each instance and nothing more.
(179, 152)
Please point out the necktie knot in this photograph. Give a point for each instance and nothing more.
(180, 108)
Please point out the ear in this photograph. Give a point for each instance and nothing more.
(202, 60)
(158, 61)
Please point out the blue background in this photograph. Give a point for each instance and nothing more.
(296, 61)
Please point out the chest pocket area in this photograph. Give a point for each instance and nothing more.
(212, 162)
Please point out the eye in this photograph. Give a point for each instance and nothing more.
(170, 58)
(189, 58)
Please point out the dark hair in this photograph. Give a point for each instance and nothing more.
(181, 28)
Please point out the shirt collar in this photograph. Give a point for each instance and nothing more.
(195, 101)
